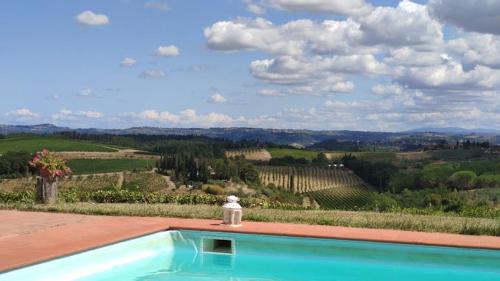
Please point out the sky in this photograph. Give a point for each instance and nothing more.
(297, 64)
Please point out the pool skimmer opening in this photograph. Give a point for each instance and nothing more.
(216, 245)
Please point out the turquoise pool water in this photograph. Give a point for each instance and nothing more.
(182, 255)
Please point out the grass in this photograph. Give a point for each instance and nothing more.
(428, 223)
(295, 153)
(37, 143)
(96, 166)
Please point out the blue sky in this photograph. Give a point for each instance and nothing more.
(387, 65)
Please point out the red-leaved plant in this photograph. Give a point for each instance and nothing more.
(49, 165)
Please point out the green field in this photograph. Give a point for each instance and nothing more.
(37, 143)
(366, 155)
(311, 154)
(95, 166)
(295, 153)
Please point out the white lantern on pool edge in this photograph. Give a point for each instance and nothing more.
(232, 211)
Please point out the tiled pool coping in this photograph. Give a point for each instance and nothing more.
(31, 237)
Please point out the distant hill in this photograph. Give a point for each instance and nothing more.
(34, 129)
(277, 136)
(456, 130)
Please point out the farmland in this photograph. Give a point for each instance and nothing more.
(341, 197)
(307, 179)
(253, 154)
(365, 155)
(37, 143)
(295, 153)
(311, 154)
(93, 166)
(330, 188)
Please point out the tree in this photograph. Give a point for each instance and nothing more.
(321, 160)
(434, 175)
(404, 180)
(248, 173)
(462, 180)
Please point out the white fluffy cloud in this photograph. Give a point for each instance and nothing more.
(291, 70)
(92, 19)
(450, 75)
(472, 15)
(292, 38)
(477, 48)
(217, 98)
(407, 56)
(167, 51)
(22, 114)
(405, 25)
(128, 62)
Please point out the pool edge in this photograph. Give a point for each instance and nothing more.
(99, 231)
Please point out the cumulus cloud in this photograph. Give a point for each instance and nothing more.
(217, 98)
(91, 19)
(477, 48)
(290, 70)
(407, 24)
(472, 15)
(156, 5)
(292, 38)
(407, 56)
(153, 73)
(451, 76)
(427, 77)
(167, 51)
(128, 62)
(22, 114)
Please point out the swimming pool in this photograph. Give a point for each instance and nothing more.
(199, 255)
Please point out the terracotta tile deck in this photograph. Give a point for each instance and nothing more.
(31, 237)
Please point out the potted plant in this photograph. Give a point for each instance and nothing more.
(51, 168)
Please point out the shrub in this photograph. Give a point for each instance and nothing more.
(487, 181)
(381, 202)
(213, 189)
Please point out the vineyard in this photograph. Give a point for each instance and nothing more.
(342, 197)
(254, 154)
(337, 188)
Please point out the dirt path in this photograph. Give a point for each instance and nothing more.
(121, 177)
